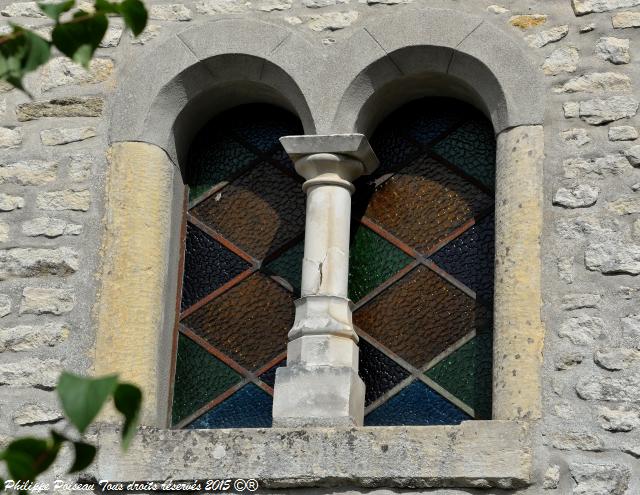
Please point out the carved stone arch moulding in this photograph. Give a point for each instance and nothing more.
(217, 65)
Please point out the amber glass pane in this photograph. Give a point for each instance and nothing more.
(418, 317)
(249, 322)
(259, 212)
(426, 202)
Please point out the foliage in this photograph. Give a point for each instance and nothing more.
(76, 34)
(81, 398)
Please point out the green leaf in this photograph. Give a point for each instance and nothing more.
(134, 15)
(28, 457)
(107, 7)
(38, 52)
(80, 37)
(21, 51)
(128, 399)
(82, 397)
(54, 10)
(84, 455)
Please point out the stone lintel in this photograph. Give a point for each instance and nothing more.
(352, 145)
(478, 454)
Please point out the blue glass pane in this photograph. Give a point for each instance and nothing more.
(432, 117)
(469, 258)
(207, 266)
(472, 148)
(392, 149)
(269, 376)
(249, 407)
(416, 405)
(261, 126)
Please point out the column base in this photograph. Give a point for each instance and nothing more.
(320, 396)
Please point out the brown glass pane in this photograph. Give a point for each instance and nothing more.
(259, 212)
(249, 323)
(425, 202)
(418, 317)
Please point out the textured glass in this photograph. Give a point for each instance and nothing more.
(379, 372)
(261, 126)
(288, 266)
(372, 260)
(249, 322)
(472, 148)
(392, 149)
(415, 405)
(215, 157)
(207, 266)
(466, 373)
(259, 212)
(249, 407)
(269, 376)
(200, 378)
(469, 258)
(419, 316)
(425, 203)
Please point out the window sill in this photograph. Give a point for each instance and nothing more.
(480, 454)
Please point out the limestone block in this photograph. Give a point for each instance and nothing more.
(593, 227)
(90, 106)
(631, 330)
(625, 133)
(613, 258)
(571, 109)
(623, 20)
(4, 231)
(563, 59)
(211, 7)
(40, 300)
(5, 305)
(273, 5)
(571, 302)
(315, 4)
(587, 28)
(633, 154)
(564, 264)
(551, 477)
(10, 138)
(497, 9)
(50, 227)
(149, 34)
(620, 418)
(22, 9)
(602, 111)
(33, 414)
(621, 387)
(28, 172)
(26, 337)
(333, 21)
(615, 50)
(170, 12)
(39, 373)
(579, 196)
(596, 82)
(112, 36)
(581, 330)
(527, 21)
(55, 137)
(543, 38)
(10, 203)
(616, 359)
(35, 262)
(581, 7)
(80, 167)
(568, 361)
(575, 137)
(61, 71)
(600, 479)
(69, 199)
(577, 441)
(626, 205)
(595, 168)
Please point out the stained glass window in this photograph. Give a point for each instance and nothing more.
(421, 268)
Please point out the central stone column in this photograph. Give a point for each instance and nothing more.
(320, 385)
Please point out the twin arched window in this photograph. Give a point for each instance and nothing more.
(421, 267)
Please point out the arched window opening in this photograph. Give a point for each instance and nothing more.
(422, 260)
(421, 267)
(246, 208)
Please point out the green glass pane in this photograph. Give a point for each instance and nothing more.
(200, 378)
(215, 157)
(466, 373)
(288, 266)
(372, 260)
(472, 148)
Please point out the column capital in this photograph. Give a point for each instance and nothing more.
(336, 159)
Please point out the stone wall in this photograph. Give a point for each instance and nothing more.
(52, 177)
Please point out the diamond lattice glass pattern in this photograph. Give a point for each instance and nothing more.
(421, 267)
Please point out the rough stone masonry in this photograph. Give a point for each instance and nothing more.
(52, 178)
